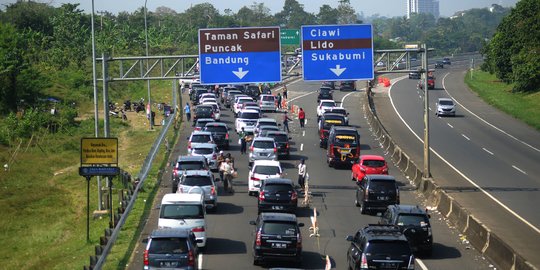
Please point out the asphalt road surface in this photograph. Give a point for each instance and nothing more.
(485, 159)
(230, 237)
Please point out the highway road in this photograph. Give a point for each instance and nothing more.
(231, 236)
(485, 159)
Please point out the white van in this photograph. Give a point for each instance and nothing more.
(184, 211)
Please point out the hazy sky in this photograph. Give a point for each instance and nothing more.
(387, 8)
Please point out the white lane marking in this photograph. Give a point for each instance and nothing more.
(520, 170)
(305, 122)
(301, 96)
(454, 168)
(486, 122)
(343, 98)
(200, 261)
(303, 133)
(450, 125)
(468, 139)
(422, 265)
(489, 152)
(302, 147)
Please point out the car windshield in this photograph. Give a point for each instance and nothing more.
(263, 144)
(392, 248)
(373, 163)
(249, 115)
(382, 185)
(203, 150)
(190, 165)
(412, 220)
(266, 170)
(279, 137)
(169, 245)
(279, 228)
(328, 104)
(222, 129)
(268, 98)
(181, 211)
(197, 181)
(346, 138)
(446, 102)
(201, 138)
(202, 123)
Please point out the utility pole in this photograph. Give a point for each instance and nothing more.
(96, 108)
(147, 81)
(427, 173)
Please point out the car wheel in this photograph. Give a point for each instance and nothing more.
(330, 164)
(356, 202)
(362, 208)
(256, 262)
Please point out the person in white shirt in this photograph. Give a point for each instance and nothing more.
(228, 171)
(302, 171)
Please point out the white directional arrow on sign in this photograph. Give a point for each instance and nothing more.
(338, 70)
(240, 73)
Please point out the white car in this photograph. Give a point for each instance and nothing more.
(325, 105)
(207, 150)
(258, 109)
(215, 106)
(208, 95)
(262, 170)
(207, 100)
(264, 122)
(238, 103)
(246, 119)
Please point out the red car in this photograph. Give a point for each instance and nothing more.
(368, 164)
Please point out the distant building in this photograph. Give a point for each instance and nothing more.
(423, 6)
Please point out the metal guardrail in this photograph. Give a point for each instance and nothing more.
(143, 173)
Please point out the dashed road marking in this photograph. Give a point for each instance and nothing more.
(450, 125)
(302, 147)
(303, 133)
(200, 261)
(489, 152)
(421, 264)
(520, 170)
(464, 136)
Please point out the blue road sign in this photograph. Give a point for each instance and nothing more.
(240, 55)
(99, 171)
(337, 52)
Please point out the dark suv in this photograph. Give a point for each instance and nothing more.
(343, 146)
(347, 85)
(277, 195)
(277, 237)
(282, 142)
(324, 93)
(220, 133)
(376, 192)
(379, 247)
(326, 122)
(414, 223)
(203, 111)
(171, 249)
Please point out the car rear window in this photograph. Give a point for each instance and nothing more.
(373, 163)
(203, 150)
(197, 181)
(205, 109)
(268, 98)
(263, 144)
(415, 220)
(200, 138)
(328, 104)
(382, 185)
(392, 248)
(279, 137)
(170, 245)
(333, 122)
(325, 91)
(190, 165)
(181, 211)
(266, 170)
(279, 228)
(274, 187)
(216, 129)
(249, 115)
(267, 123)
(202, 123)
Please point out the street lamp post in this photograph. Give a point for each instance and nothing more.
(147, 81)
(96, 108)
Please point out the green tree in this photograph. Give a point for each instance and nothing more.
(327, 15)
(26, 15)
(293, 15)
(346, 13)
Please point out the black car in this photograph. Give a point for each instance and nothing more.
(230, 97)
(277, 195)
(414, 223)
(282, 141)
(347, 86)
(220, 133)
(376, 192)
(277, 237)
(329, 84)
(324, 93)
(342, 111)
(379, 247)
(171, 249)
(439, 64)
(343, 146)
(252, 91)
(326, 122)
(196, 94)
(203, 111)
(446, 61)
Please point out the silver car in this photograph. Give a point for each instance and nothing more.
(200, 182)
(268, 103)
(207, 150)
(262, 148)
(445, 106)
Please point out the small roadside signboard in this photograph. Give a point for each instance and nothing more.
(337, 52)
(99, 171)
(290, 36)
(99, 151)
(240, 55)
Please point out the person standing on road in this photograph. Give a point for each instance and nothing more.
(285, 92)
(302, 117)
(302, 171)
(242, 136)
(279, 101)
(220, 160)
(286, 120)
(187, 110)
(228, 171)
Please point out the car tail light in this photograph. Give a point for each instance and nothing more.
(251, 148)
(294, 196)
(331, 150)
(212, 116)
(261, 195)
(411, 262)
(189, 145)
(198, 229)
(191, 258)
(258, 241)
(299, 241)
(227, 136)
(214, 156)
(385, 170)
(255, 179)
(275, 149)
(145, 257)
(363, 263)
(213, 190)
(286, 145)
(175, 172)
(357, 151)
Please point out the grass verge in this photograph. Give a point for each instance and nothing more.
(522, 106)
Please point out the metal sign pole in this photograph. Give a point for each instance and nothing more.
(88, 209)
(427, 173)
